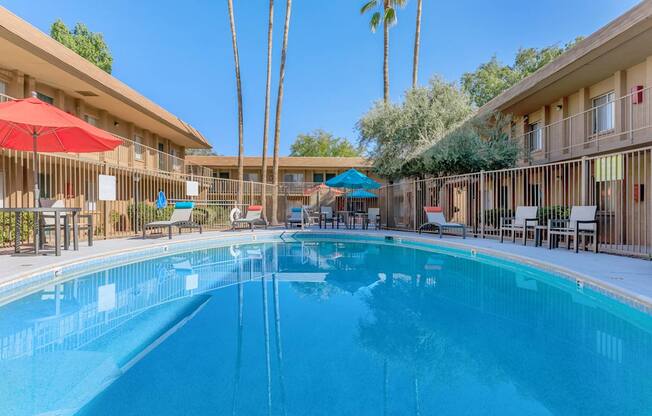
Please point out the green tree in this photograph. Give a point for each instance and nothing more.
(385, 15)
(236, 61)
(322, 143)
(279, 108)
(87, 44)
(492, 77)
(394, 133)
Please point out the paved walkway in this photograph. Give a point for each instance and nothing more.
(629, 276)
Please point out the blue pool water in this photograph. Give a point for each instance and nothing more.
(322, 328)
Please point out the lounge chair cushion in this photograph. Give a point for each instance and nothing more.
(254, 208)
(184, 204)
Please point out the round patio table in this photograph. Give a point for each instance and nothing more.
(57, 211)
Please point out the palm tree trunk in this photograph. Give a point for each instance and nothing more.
(236, 59)
(417, 38)
(267, 99)
(279, 107)
(385, 54)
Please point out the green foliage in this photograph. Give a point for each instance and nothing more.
(322, 143)
(8, 226)
(381, 15)
(144, 213)
(479, 144)
(201, 152)
(87, 44)
(394, 133)
(492, 77)
(555, 211)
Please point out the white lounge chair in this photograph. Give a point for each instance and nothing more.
(582, 223)
(373, 217)
(435, 216)
(253, 217)
(180, 218)
(326, 215)
(524, 218)
(298, 216)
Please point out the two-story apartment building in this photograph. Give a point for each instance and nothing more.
(593, 99)
(291, 169)
(32, 63)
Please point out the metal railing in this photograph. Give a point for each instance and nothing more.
(607, 127)
(135, 154)
(614, 182)
(75, 181)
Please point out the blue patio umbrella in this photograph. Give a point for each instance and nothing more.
(352, 179)
(362, 194)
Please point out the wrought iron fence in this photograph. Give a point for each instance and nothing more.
(616, 183)
(75, 182)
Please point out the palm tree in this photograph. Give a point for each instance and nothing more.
(386, 16)
(417, 38)
(279, 106)
(267, 99)
(236, 59)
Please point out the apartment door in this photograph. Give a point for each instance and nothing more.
(161, 156)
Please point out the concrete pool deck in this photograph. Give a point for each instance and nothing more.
(628, 276)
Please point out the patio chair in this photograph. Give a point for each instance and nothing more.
(298, 216)
(373, 217)
(326, 216)
(525, 217)
(180, 218)
(47, 222)
(436, 219)
(254, 217)
(582, 223)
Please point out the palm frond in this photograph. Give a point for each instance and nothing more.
(390, 16)
(374, 22)
(368, 6)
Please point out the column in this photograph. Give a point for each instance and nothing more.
(622, 106)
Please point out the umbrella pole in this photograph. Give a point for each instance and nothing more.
(36, 193)
(36, 172)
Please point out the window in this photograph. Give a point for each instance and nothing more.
(3, 88)
(93, 121)
(604, 113)
(138, 147)
(535, 137)
(293, 177)
(45, 98)
(176, 162)
(252, 177)
(224, 175)
(330, 176)
(318, 177)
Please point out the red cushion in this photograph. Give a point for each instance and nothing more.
(433, 209)
(255, 208)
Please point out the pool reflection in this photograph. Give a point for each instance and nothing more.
(322, 328)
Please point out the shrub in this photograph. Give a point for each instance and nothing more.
(8, 226)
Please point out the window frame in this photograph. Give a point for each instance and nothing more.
(609, 107)
(535, 136)
(138, 147)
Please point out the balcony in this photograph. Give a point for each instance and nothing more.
(617, 124)
(139, 156)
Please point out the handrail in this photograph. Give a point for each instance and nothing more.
(172, 162)
(577, 129)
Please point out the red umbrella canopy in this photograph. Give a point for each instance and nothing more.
(55, 130)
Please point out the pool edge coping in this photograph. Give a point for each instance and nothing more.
(631, 298)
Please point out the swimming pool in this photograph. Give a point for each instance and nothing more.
(322, 326)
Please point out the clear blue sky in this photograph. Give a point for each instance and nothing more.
(179, 53)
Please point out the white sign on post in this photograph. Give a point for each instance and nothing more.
(192, 188)
(106, 188)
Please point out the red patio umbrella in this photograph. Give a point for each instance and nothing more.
(33, 125)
